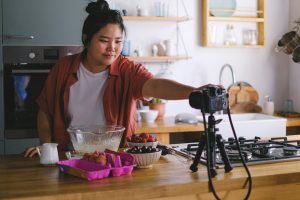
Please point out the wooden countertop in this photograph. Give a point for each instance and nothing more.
(170, 178)
(293, 121)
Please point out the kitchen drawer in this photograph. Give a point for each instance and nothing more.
(17, 146)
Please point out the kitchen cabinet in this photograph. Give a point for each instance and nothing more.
(241, 18)
(17, 146)
(43, 22)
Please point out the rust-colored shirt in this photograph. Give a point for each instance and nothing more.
(124, 87)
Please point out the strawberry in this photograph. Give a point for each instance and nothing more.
(144, 135)
(151, 139)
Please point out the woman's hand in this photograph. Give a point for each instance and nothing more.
(209, 85)
(30, 152)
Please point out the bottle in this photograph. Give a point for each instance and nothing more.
(154, 50)
(229, 35)
(268, 107)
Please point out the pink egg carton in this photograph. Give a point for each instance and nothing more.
(118, 164)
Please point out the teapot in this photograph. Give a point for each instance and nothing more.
(48, 153)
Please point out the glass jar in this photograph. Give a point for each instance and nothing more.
(229, 35)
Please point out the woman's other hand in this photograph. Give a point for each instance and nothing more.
(30, 152)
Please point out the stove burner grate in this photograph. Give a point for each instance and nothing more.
(255, 151)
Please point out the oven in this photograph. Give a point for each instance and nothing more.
(25, 71)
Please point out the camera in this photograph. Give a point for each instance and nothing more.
(210, 99)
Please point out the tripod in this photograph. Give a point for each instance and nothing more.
(211, 150)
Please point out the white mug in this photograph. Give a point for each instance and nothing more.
(170, 48)
(48, 153)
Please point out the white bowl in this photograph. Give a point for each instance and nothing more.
(139, 144)
(148, 115)
(145, 160)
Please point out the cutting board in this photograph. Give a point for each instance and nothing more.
(243, 98)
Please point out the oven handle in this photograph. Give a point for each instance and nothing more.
(31, 71)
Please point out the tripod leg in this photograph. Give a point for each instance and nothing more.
(212, 152)
(224, 155)
(194, 166)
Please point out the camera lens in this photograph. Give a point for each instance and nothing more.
(218, 91)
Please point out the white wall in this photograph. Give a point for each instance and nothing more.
(264, 69)
(294, 84)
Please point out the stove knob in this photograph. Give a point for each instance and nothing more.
(231, 140)
(257, 138)
(31, 55)
(242, 138)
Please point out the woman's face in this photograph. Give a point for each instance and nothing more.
(106, 45)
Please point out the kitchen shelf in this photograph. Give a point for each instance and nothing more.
(235, 46)
(259, 20)
(237, 19)
(177, 19)
(154, 18)
(158, 58)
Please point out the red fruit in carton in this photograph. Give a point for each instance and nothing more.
(101, 158)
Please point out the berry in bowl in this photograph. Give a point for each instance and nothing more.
(145, 157)
(143, 139)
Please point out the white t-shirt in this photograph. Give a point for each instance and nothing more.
(86, 98)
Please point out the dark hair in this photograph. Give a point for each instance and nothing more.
(99, 16)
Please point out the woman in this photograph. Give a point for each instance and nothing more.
(98, 86)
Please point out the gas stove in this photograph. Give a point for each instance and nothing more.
(255, 151)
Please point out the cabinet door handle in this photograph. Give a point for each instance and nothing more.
(26, 37)
(30, 71)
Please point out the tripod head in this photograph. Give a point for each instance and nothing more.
(210, 99)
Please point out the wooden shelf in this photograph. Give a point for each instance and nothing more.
(234, 46)
(158, 58)
(174, 19)
(154, 18)
(208, 19)
(237, 19)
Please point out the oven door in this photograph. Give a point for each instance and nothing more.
(22, 85)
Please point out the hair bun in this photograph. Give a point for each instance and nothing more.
(97, 7)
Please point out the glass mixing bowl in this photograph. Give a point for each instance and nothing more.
(86, 139)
